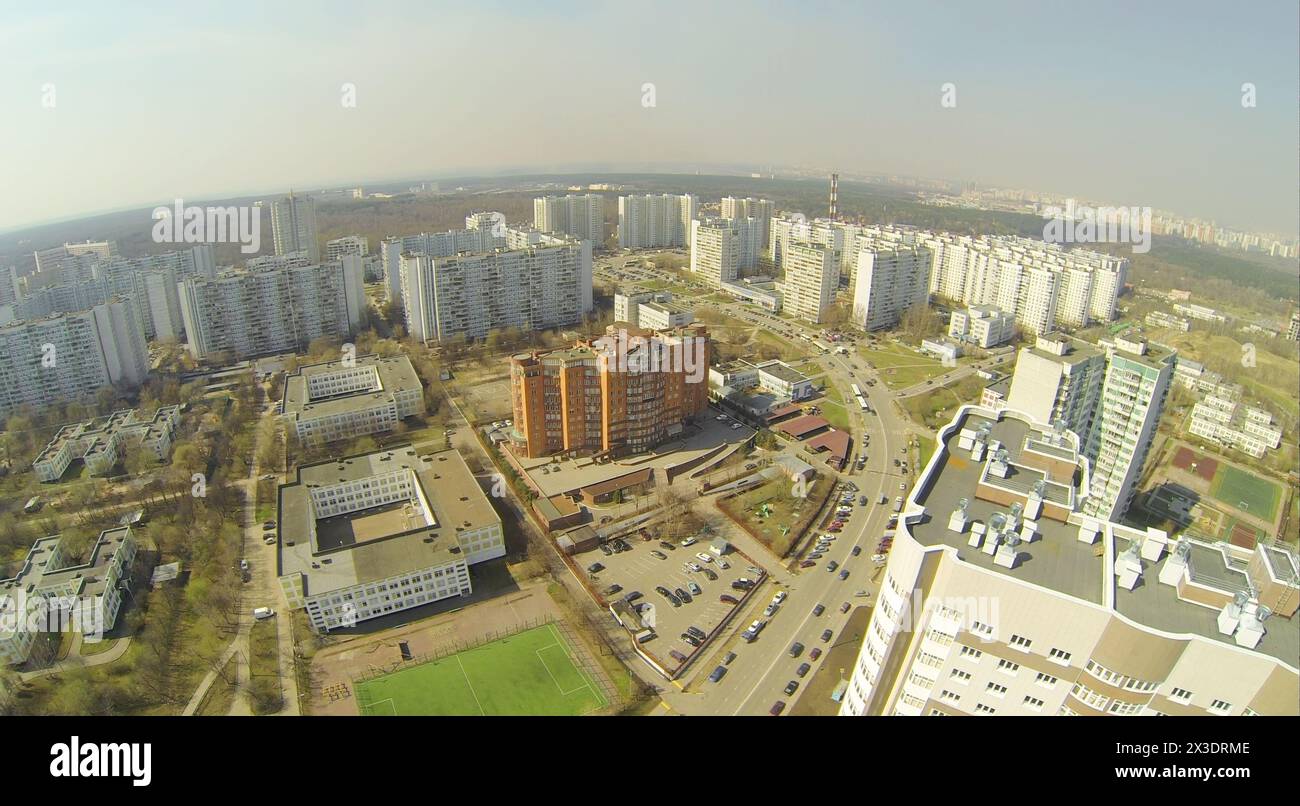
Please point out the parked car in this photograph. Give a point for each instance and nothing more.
(862, 500)
(690, 639)
(704, 558)
(662, 591)
(807, 564)
(826, 636)
(613, 589)
(791, 687)
(693, 588)
(728, 599)
(683, 595)
(606, 550)
(819, 609)
(770, 610)
(697, 632)
(595, 568)
(693, 567)
(243, 565)
(803, 669)
(261, 613)
(816, 555)
(779, 597)
(717, 674)
(844, 608)
(796, 649)
(708, 572)
(723, 564)
(832, 565)
(659, 554)
(844, 574)
(856, 551)
(268, 525)
(690, 541)
(664, 544)
(776, 708)
(815, 653)
(729, 658)
(632, 597)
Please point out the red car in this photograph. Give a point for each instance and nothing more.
(730, 600)
(815, 653)
(807, 564)
(834, 527)
(777, 708)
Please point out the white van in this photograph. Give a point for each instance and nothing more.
(261, 613)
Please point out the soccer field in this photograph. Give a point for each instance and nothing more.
(529, 674)
(1248, 493)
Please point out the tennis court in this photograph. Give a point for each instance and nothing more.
(532, 673)
(1248, 493)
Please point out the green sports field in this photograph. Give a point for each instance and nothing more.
(529, 674)
(1239, 489)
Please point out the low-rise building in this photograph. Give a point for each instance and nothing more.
(377, 533)
(100, 443)
(48, 595)
(343, 399)
(1233, 424)
(651, 310)
(982, 325)
(945, 351)
(1199, 312)
(1162, 319)
(733, 380)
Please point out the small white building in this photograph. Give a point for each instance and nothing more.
(945, 351)
(982, 325)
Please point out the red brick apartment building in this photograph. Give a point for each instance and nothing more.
(622, 393)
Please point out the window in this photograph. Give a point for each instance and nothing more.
(949, 696)
(1021, 642)
(996, 689)
(969, 652)
(1034, 703)
(982, 628)
(1181, 695)
(1124, 708)
(1221, 706)
(1045, 680)
(984, 709)
(1007, 666)
(960, 676)
(1059, 656)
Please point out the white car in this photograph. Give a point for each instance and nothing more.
(779, 597)
(723, 564)
(704, 558)
(261, 613)
(734, 426)
(690, 541)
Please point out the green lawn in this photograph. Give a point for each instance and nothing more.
(1237, 488)
(529, 674)
(901, 366)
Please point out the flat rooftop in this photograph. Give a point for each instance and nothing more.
(1055, 560)
(784, 372)
(383, 541)
(395, 373)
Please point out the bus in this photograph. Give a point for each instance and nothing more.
(856, 391)
(862, 403)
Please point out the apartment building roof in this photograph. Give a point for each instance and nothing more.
(37, 571)
(395, 374)
(1076, 350)
(380, 542)
(1058, 560)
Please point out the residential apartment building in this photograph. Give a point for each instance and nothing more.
(812, 275)
(357, 245)
(277, 304)
(536, 282)
(582, 217)
(293, 226)
(53, 595)
(1001, 596)
(622, 393)
(102, 442)
(889, 280)
(374, 534)
(761, 210)
(982, 325)
(1232, 424)
(716, 249)
(656, 220)
(1058, 380)
(1043, 285)
(70, 356)
(47, 258)
(1162, 319)
(433, 244)
(344, 399)
(1200, 312)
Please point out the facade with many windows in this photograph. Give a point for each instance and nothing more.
(341, 399)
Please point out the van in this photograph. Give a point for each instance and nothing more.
(677, 656)
(644, 636)
(261, 613)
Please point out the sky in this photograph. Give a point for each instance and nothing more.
(1127, 103)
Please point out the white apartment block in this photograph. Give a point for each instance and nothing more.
(1058, 380)
(357, 245)
(433, 244)
(1199, 312)
(70, 356)
(1162, 319)
(293, 226)
(338, 400)
(1001, 596)
(1230, 423)
(582, 217)
(100, 443)
(48, 595)
(378, 533)
(812, 275)
(716, 250)
(651, 221)
(277, 304)
(773, 376)
(1041, 284)
(47, 258)
(889, 280)
(761, 210)
(532, 287)
(982, 325)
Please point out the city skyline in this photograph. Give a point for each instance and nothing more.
(1095, 117)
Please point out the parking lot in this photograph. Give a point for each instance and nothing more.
(640, 569)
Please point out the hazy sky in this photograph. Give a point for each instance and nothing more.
(1130, 103)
